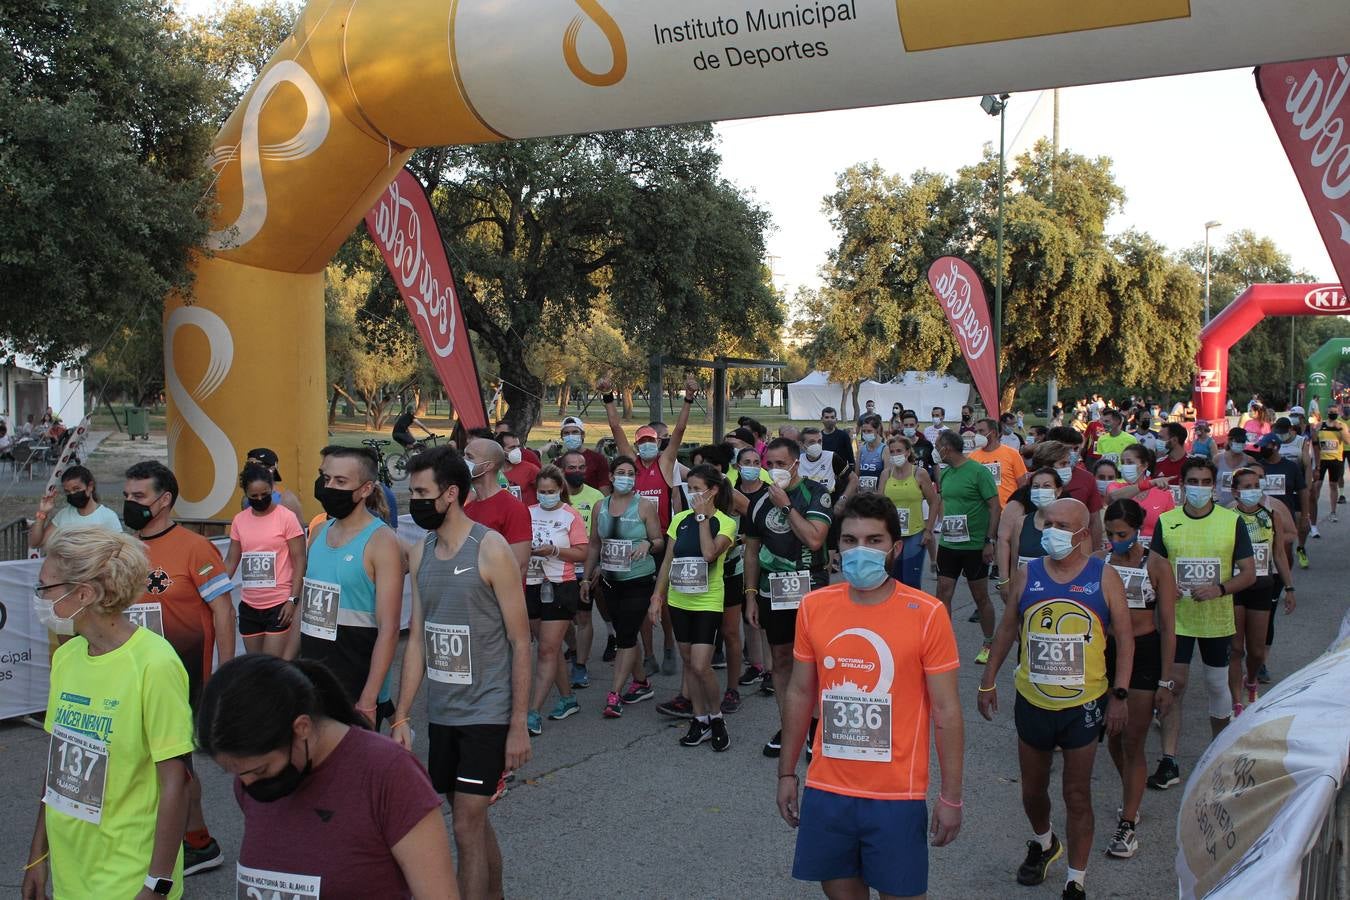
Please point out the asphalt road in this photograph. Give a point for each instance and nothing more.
(618, 809)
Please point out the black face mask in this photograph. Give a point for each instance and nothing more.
(136, 515)
(665, 442)
(78, 499)
(282, 784)
(424, 514)
(336, 503)
(260, 504)
(1333, 416)
(575, 479)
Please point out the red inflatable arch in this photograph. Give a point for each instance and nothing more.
(1238, 318)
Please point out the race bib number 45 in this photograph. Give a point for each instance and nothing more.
(689, 574)
(855, 725)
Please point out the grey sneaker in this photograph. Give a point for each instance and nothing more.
(1123, 844)
(668, 662)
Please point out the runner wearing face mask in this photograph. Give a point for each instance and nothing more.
(1150, 594)
(825, 467)
(909, 487)
(749, 484)
(1203, 443)
(1059, 451)
(267, 538)
(518, 474)
(833, 438)
(1153, 493)
(1067, 603)
(583, 498)
(871, 455)
(1002, 461)
(923, 448)
(785, 534)
(552, 593)
(492, 506)
(305, 750)
(931, 432)
(1233, 457)
(1021, 524)
(1173, 452)
(74, 506)
(970, 519)
(1115, 439)
(573, 437)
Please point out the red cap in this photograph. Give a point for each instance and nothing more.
(646, 431)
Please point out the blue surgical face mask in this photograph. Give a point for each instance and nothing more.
(571, 441)
(749, 473)
(649, 450)
(1041, 496)
(864, 567)
(1103, 484)
(1073, 457)
(1057, 543)
(549, 500)
(1121, 548)
(1065, 474)
(623, 484)
(869, 437)
(1251, 496)
(1129, 472)
(909, 431)
(1197, 495)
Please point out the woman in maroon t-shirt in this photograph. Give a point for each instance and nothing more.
(330, 809)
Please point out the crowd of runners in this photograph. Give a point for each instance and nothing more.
(793, 564)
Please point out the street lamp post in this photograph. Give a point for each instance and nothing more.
(996, 106)
(1208, 226)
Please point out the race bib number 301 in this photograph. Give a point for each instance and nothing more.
(319, 609)
(77, 772)
(855, 725)
(448, 659)
(616, 555)
(258, 884)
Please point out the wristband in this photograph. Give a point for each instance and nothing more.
(607, 398)
(789, 775)
(985, 690)
(945, 802)
(404, 721)
(1223, 590)
(37, 862)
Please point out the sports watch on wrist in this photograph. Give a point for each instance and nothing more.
(700, 517)
(157, 885)
(1120, 693)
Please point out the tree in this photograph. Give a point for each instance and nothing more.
(233, 43)
(375, 355)
(101, 176)
(541, 230)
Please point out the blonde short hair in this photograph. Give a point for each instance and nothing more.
(114, 564)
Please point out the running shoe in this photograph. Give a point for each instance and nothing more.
(1073, 891)
(697, 734)
(1262, 675)
(650, 666)
(668, 662)
(1253, 691)
(1314, 533)
(982, 658)
(1033, 868)
(720, 739)
(719, 660)
(678, 708)
(1123, 844)
(975, 616)
(638, 691)
(1340, 499)
(534, 723)
(1166, 775)
(1237, 709)
(580, 677)
(566, 706)
(774, 746)
(766, 685)
(1138, 817)
(199, 860)
(611, 649)
(613, 706)
(731, 701)
(1302, 557)
(753, 675)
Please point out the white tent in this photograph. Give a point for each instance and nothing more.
(806, 398)
(919, 391)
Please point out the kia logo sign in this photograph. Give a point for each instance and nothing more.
(1327, 300)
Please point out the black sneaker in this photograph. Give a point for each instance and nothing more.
(697, 734)
(1166, 775)
(677, 708)
(720, 739)
(766, 684)
(208, 857)
(1073, 891)
(753, 675)
(974, 617)
(731, 701)
(570, 654)
(1033, 868)
(611, 649)
(774, 745)
(719, 660)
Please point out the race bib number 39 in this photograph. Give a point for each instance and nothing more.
(855, 725)
(319, 609)
(77, 771)
(149, 616)
(257, 884)
(689, 574)
(1196, 572)
(448, 659)
(258, 569)
(786, 589)
(1056, 659)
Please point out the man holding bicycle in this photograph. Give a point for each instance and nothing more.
(403, 428)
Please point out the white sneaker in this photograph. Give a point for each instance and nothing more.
(1123, 844)
(1313, 532)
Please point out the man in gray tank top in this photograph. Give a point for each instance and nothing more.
(470, 638)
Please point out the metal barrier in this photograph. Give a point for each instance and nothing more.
(1326, 867)
(14, 540)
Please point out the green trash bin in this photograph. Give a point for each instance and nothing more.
(138, 423)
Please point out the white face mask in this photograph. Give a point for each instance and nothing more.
(781, 477)
(45, 611)
(899, 459)
(813, 451)
(513, 456)
(979, 441)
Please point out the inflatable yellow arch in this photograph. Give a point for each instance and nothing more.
(336, 112)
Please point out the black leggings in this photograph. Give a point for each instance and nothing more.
(628, 602)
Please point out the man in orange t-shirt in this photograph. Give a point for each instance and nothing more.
(1002, 461)
(879, 660)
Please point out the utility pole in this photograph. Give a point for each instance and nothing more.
(1052, 386)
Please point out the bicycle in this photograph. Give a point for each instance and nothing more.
(398, 460)
(381, 460)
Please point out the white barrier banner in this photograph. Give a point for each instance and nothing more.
(25, 654)
(1256, 800)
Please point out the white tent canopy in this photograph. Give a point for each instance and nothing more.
(919, 391)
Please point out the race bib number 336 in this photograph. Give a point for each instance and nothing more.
(855, 725)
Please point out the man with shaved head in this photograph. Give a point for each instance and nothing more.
(493, 507)
(1067, 603)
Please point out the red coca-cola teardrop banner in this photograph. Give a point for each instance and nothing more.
(1309, 104)
(403, 226)
(961, 294)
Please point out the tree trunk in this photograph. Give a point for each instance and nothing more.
(857, 405)
(521, 396)
(332, 407)
(628, 403)
(564, 398)
(1005, 399)
(843, 404)
(419, 402)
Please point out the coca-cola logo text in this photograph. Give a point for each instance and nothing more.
(399, 230)
(1314, 106)
(955, 291)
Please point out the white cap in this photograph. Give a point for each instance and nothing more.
(1296, 411)
(573, 422)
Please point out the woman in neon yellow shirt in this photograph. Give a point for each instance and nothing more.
(112, 813)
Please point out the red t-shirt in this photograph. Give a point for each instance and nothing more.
(186, 573)
(337, 831)
(597, 469)
(531, 456)
(880, 655)
(1083, 488)
(504, 514)
(1168, 466)
(520, 482)
(650, 484)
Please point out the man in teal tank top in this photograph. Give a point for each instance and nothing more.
(353, 589)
